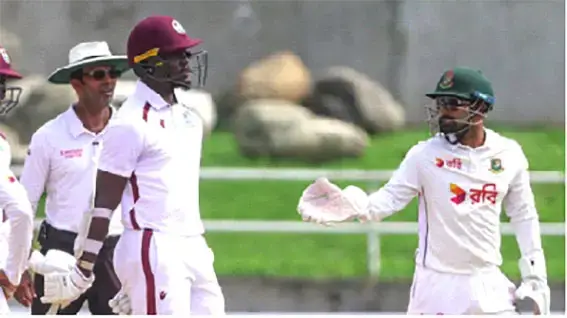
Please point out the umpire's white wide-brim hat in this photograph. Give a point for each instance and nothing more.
(88, 54)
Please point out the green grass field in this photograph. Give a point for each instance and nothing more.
(323, 256)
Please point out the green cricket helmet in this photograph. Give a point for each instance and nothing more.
(459, 88)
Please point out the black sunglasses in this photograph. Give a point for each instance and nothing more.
(450, 102)
(101, 74)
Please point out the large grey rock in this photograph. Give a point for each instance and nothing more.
(227, 103)
(281, 75)
(271, 128)
(280, 129)
(336, 139)
(351, 96)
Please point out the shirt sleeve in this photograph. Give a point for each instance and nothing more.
(5, 152)
(36, 169)
(519, 205)
(122, 145)
(14, 202)
(402, 187)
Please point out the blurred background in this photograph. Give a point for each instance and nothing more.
(300, 89)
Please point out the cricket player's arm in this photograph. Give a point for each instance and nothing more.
(519, 205)
(14, 202)
(403, 186)
(36, 169)
(396, 194)
(122, 145)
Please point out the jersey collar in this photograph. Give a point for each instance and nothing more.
(150, 96)
(489, 141)
(75, 125)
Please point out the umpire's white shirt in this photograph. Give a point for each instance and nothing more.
(461, 191)
(62, 161)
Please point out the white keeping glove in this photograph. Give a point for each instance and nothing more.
(534, 284)
(55, 261)
(325, 203)
(66, 286)
(120, 304)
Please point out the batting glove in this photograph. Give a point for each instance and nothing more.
(120, 304)
(67, 286)
(55, 261)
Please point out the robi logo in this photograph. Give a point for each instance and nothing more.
(455, 163)
(460, 194)
(486, 193)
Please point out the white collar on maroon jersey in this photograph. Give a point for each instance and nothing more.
(147, 94)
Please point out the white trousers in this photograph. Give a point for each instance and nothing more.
(165, 274)
(435, 293)
(4, 233)
(4, 308)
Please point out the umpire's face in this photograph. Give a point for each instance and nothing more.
(97, 85)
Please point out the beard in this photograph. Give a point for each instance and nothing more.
(450, 125)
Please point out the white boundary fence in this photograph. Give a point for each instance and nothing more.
(298, 174)
(372, 231)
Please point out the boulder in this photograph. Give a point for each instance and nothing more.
(280, 129)
(227, 102)
(279, 76)
(336, 139)
(351, 96)
(270, 128)
(326, 100)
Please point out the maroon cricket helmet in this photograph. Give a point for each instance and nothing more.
(154, 39)
(9, 95)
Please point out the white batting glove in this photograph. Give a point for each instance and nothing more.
(325, 203)
(66, 286)
(120, 303)
(534, 284)
(55, 261)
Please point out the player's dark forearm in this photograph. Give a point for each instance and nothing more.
(109, 189)
(97, 233)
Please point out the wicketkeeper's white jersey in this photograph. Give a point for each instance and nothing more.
(461, 192)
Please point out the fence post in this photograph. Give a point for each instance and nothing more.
(373, 254)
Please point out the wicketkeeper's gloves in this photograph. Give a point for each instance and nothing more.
(325, 203)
